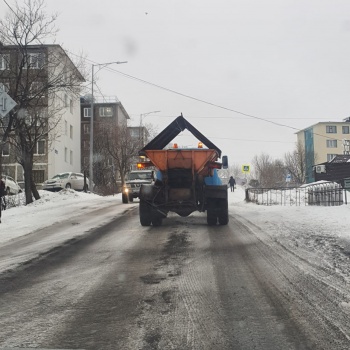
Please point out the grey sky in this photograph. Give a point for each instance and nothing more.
(282, 60)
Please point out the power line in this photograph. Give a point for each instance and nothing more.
(185, 95)
(214, 104)
(210, 103)
(221, 117)
(248, 140)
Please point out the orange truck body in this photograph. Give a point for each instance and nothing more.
(186, 180)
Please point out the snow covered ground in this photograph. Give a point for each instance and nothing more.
(51, 208)
(318, 233)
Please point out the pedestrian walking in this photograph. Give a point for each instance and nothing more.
(2, 194)
(232, 183)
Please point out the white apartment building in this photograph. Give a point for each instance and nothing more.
(59, 151)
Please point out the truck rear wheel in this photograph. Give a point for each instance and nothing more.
(223, 214)
(211, 217)
(157, 218)
(157, 221)
(145, 212)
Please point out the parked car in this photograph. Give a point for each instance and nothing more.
(71, 180)
(11, 186)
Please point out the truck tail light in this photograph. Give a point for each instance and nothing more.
(144, 165)
(215, 165)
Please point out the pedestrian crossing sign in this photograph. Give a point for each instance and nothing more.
(246, 169)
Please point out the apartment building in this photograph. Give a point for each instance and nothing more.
(322, 142)
(107, 111)
(57, 107)
(141, 135)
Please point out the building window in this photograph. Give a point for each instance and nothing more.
(4, 61)
(5, 121)
(71, 131)
(86, 161)
(71, 106)
(40, 147)
(35, 120)
(66, 100)
(135, 133)
(36, 89)
(330, 157)
(332, 144)
(65, 127)
(87, 112)
(71, 157)
(331, 129)
(39, 176)
(106, 111)
(65, 75)
(86, 144)
(86, 128)
(34, 61)
(65, 154)
(109, 161)
(4, 87)
(6, 149)
(345, 129)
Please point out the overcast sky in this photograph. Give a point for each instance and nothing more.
(286, 61)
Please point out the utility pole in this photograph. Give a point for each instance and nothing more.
(143, 115)
(102, 65)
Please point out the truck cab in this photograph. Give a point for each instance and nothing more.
(133, 182)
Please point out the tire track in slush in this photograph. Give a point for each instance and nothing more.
(251, 319)
(160, 321)
(198, 292)
(194, 320)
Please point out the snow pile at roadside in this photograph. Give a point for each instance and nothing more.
(332, 221)
(52, 207)
(317, 233)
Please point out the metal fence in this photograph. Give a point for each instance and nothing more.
(323, 194)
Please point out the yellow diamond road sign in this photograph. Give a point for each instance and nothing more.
(6, 104)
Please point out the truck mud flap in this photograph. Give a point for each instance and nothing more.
(215, 191)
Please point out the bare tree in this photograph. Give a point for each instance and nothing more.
(38, 77)
(233, 170)
(120, 146)
(269, 172)
(103, 164)
(150, 134)
(295, 162)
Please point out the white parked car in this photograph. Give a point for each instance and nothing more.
(11, 186)
(71, 180)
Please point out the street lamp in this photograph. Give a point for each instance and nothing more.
(102, 65)
(144, 115)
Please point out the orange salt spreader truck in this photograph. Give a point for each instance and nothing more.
(186, 178)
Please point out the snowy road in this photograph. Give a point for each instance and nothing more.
(180, 286)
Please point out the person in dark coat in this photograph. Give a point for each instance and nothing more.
(2, 194)
(232, 183)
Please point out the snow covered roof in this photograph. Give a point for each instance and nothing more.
(341, 158)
